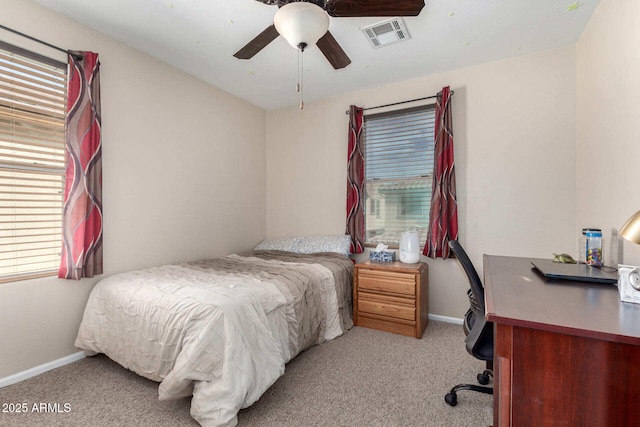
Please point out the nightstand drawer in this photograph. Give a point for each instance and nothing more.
(387, 306)
(387, 281)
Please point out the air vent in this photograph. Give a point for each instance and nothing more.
(386, 32)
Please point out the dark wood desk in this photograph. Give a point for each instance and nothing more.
(566, 353)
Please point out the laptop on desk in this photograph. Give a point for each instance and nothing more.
(577, 272)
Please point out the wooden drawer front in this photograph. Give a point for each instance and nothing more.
(387, 281)
(386, 306)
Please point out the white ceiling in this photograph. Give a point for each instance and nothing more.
(201, 36)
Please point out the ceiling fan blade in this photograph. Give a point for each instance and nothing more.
(332, 51)
(359, 8)
(258, 43)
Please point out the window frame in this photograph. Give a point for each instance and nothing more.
(33, 98)
(424, 202)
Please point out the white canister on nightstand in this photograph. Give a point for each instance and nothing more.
(409, 247)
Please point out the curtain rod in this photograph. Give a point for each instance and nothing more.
(40, 41)
(401, 102)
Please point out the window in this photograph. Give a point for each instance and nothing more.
(32, 162)
(398, 149)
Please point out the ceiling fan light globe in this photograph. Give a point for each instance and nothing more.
(301, 22)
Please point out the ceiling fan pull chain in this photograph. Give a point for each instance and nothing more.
(298, 82)
(300, 87)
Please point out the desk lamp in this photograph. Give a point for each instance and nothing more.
(631, 229)
(628, 275)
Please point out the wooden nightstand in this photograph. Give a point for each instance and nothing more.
(392, 297)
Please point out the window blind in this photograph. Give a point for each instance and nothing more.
(398, 170)
(32, 164)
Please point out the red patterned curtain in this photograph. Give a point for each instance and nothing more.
(82, 213)
(443, 219)
(355, 181)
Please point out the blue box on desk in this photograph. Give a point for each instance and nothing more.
(382, 256)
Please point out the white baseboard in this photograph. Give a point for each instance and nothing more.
(446, 319)
(21, 376)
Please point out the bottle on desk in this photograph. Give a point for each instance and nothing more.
(594, 247)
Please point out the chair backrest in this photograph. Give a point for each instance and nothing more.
(479, 341)
(474, 280)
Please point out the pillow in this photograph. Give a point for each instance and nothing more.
(308, 244)
(325, 243)
(288, 244)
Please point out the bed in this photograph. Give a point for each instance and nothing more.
(221, 330)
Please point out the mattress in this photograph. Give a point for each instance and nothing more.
(220, 330)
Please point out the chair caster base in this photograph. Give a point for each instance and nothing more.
(484, 377)
(451, 399)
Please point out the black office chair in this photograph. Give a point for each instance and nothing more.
(479, 332)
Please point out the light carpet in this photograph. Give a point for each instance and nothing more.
(363, 378)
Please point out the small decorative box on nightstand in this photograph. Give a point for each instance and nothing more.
(392, 297)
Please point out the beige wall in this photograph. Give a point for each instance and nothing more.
(174, 187)
(515, 137)
(608, 150)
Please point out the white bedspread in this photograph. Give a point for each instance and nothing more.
(200, 329)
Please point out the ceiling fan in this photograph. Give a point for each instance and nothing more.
(316, 17)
